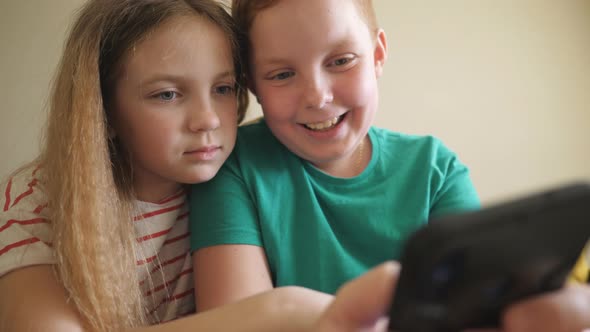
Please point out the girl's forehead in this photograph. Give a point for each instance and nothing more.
(181, 38)
(188, 49)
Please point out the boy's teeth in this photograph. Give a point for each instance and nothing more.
(323, 125)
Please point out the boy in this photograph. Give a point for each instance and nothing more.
(313, 195)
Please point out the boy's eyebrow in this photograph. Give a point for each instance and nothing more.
(270, 61)
(273, 60)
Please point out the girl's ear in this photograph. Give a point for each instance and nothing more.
(380, 52)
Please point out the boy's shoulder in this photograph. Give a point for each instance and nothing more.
(256, 140)
(255, 129)
(389, 140)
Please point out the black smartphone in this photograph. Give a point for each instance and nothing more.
(461, 271)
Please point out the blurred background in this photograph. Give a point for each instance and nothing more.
(504, 83)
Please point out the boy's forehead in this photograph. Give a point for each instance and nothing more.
(298, 19)
(250, 11)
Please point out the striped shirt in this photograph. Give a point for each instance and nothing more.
(161, 229)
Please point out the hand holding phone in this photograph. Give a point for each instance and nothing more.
(461, 271)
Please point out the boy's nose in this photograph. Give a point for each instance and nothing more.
(317, 93)
(203, 117)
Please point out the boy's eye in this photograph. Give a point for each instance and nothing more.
(341, 62)
(283, 76)
(225, 90)
(167, 95)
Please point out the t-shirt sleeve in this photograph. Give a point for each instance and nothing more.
(222, 211)
(25, 232)
(452, 187)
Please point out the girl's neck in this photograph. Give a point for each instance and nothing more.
(154, 193)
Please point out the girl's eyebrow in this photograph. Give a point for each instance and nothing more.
(165, 77)
(225, 74)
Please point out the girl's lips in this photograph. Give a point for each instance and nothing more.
(204, 153)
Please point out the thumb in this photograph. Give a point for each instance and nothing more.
(360, 303)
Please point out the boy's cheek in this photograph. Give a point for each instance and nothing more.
(357, 92)
(278, 103)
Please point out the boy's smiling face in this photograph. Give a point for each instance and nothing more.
(314, 68)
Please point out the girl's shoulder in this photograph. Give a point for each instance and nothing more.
(23, 190)
(25, 230)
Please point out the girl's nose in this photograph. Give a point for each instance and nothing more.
(203, 117)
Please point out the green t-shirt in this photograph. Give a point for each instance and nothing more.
(320, 231)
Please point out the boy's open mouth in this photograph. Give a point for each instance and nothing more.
(326, 125)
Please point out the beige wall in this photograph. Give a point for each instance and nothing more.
(31, 35)
(505, 83)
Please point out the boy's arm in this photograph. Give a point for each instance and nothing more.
(452, 187)
(228, 273)
(229, 259)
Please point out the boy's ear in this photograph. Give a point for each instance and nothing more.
(380, 52)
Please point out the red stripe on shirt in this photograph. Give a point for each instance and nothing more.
(180, 295)
(173, 197)
(182, 216)
(36, 169)
(18, 244)
(154, 235)
(168, 283)
(40, 208)
(168, 262)
(147, 260)
(7, 195)
(174, 239)
(158, 212)
(26, 193)
(23, 222)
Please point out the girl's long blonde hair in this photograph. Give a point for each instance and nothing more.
(87, 176)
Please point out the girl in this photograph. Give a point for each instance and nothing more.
(94, 234)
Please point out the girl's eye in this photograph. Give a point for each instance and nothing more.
(167, 95)
(225, 90)
(282, 76)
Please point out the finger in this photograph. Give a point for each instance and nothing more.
(564, 310)
(361, 302)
